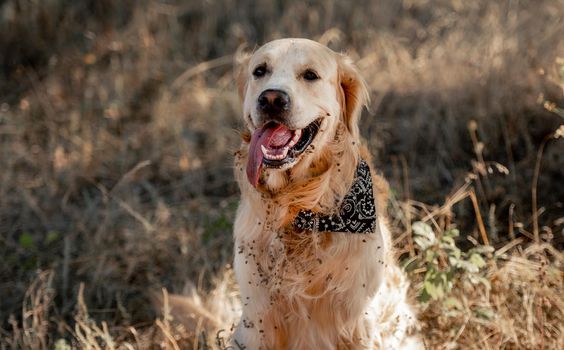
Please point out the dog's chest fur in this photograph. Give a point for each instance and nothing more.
(302, 289)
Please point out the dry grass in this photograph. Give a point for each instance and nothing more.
(117, 122)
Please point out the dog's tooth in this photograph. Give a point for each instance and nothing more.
(266, 152)
(275, 154)
(295, 138)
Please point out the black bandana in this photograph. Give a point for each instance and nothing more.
(356, 215)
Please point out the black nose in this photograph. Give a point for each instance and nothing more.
(274, 102)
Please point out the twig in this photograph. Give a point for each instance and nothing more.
(510, 229)
(167, 334)
(200, 68)
(127, 176)
(135, 336)
(407, 209)
(124, 205)
(509, 246)
(459, 195)
(478, 150)
(481, 226)
(534, 187)
(146, 224)
(66, 264)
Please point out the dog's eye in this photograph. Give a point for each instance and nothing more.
(260, 71)
(310, 75)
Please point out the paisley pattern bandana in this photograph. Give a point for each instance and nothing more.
(357, 213)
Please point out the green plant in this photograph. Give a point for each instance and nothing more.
(444, 263)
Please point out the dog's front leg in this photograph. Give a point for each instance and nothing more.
(250, 332)
(246, 338)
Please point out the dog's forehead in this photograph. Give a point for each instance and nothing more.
(299, 52)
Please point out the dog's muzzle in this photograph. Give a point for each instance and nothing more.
(273, 105)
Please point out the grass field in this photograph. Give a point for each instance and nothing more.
(118, 120)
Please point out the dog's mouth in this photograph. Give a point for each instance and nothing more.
(275, 145)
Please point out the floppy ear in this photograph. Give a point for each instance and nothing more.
(241, 66)
(354, 94)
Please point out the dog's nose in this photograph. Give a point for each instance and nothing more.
(273, 102)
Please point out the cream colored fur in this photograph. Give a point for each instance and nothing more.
(321, 290)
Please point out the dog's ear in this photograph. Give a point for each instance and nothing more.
(353, 92)
(241, 66)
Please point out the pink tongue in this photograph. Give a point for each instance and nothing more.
(270, 136)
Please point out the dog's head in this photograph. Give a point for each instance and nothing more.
(295, 93)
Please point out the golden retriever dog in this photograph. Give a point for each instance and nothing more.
(313, 257)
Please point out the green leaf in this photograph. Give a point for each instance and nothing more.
(62, 344)
(422, 242)
(436, 284)
(430, 256)
(435, 291)
(467, 266)
(453, 303)
(475, 279)
(452, 313)
(52, 236)
(424, 297)
(26, 241)
(424, 235)
(453, 260)
(448, 240)
(487, 314)
(452, 233)
(411, 264)
(482, 249)
(477, 260)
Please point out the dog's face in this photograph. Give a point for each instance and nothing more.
(295, 92)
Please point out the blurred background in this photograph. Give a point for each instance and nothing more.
(118, 120)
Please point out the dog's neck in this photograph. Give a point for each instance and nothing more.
(318, 182)
(357, 211)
